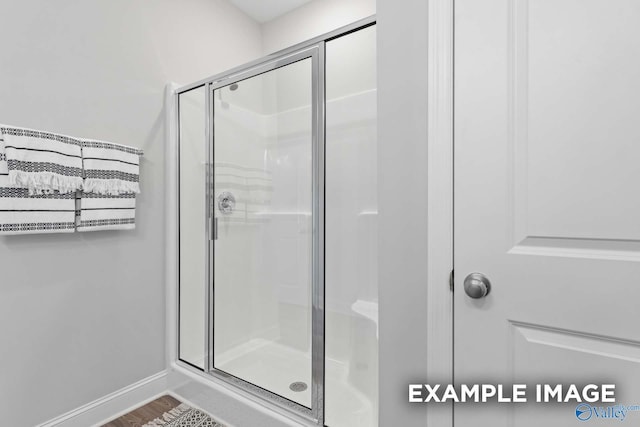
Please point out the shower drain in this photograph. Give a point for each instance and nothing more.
(298, 386)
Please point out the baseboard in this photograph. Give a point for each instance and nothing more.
(113, 405)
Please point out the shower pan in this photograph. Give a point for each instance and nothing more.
(277, 228)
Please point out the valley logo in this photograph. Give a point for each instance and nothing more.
(586, 412)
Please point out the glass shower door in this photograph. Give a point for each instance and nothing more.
(266, 243)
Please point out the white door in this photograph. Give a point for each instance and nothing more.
(547, 202)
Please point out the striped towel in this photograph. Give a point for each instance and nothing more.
(110, 168)
(42, 162)
(110, 187)
(107, 212)
(21, 213)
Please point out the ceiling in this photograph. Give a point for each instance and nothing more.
(266, 10)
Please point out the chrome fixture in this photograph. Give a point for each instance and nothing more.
(477, 285)
(226, 203)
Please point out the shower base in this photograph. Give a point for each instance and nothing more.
(275, 367)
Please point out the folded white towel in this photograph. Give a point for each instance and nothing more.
(110, 168)
(21, 213)
(42, 162)
(106, 212)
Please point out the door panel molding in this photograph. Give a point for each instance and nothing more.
(533, 231)
(582, 342)
(605, 249)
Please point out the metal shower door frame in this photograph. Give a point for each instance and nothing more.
(316, 54)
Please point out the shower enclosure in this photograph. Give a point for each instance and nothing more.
(277, 228)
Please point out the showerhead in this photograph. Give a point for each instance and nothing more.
(225, 104)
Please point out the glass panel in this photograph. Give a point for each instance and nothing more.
(263, 251)
(351, 212)
(193, 265)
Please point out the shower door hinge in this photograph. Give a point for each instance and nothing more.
(451, 281)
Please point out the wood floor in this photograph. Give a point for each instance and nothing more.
(146, 413)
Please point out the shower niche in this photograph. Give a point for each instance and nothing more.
(278, 228)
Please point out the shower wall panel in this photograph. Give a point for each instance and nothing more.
(351, 282)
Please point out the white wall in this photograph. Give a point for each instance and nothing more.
(83, 315)
(311, 20)
(403, 197)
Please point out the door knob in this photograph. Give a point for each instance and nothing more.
(476, 285)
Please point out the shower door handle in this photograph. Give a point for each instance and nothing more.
(214, 229)
(213, 221)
